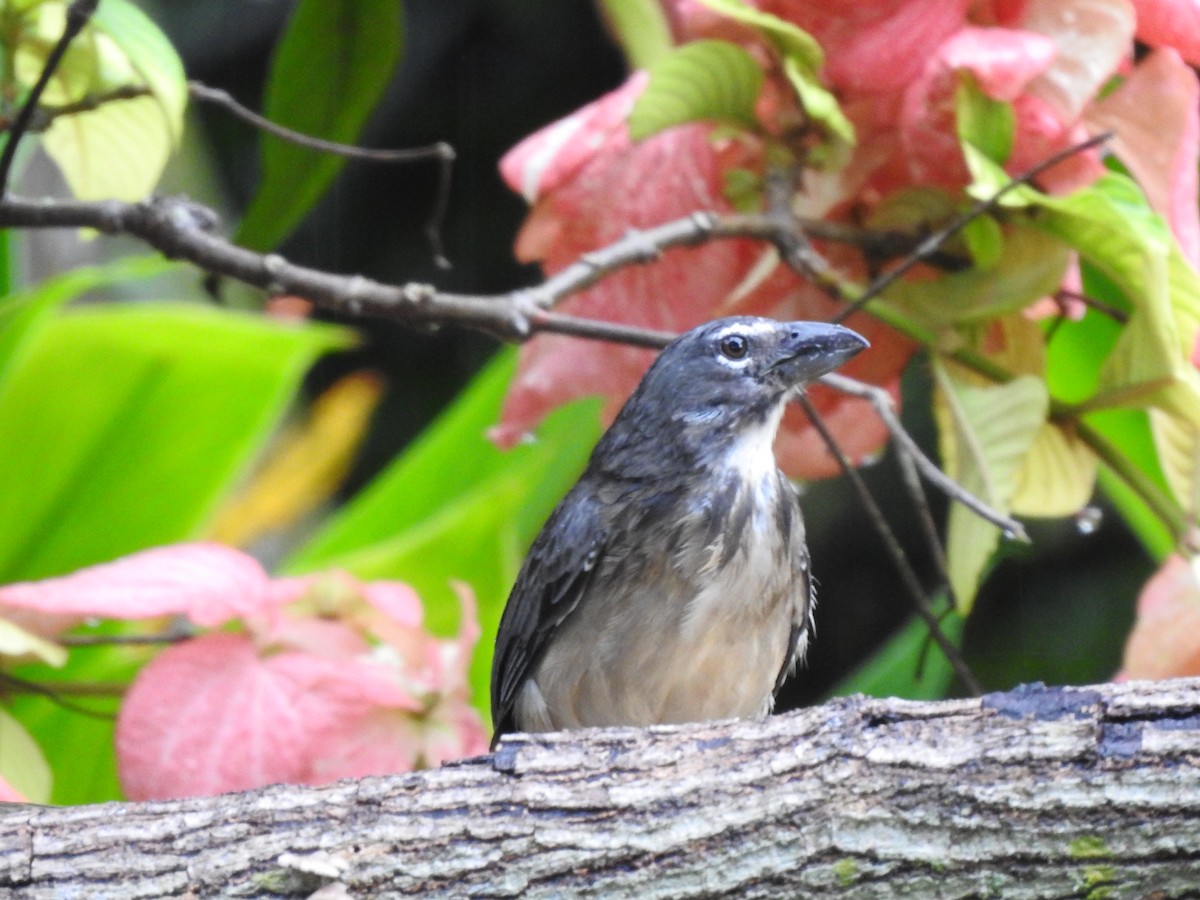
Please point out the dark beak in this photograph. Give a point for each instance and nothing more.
(810, 349)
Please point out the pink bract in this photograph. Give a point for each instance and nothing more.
(591, 184)
(331, 677)
(1165, 642)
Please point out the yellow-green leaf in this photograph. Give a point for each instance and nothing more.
(789, 39)
(1030, 265)
(119, 149)
(21, 762)
(641, 28)
(984, 434)
(1057, 476)
(982, 122)
(1177, 439)
(823, 109)
(705, 80)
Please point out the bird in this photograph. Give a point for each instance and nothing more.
(671, 584)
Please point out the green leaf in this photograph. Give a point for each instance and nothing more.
(119, 150)
(789, 40)
(702, 81)
(123, 427)
(914, 210)
(1075, 355)
(641, 29)
(1128, 430)
(1057, 476)
(1177, 439)
(823, 109)
(982, 122)
(984, 434)
(906, 665)
(22, 313)
(21, 762)
(1113, 227)
(329, 70)
(985, 241)
(1029, 267)
(802, 58)
(454, 507)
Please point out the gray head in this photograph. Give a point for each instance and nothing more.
(716, 384)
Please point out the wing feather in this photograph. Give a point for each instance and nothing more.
(554, 577)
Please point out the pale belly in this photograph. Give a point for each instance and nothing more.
(675, 655)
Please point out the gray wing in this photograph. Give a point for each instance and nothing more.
(555, 574)
(802, 622)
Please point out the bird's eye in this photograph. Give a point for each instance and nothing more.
(734, 346)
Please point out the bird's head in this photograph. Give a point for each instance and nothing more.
(745, 363)
(725, 378)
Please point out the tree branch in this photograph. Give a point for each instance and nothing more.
(1038, 792)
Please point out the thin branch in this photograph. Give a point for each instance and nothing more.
(78, 15)
(10, 683)
(1117, 315)
(441, 151)
(899, 558)
(170, 636)
(44, 116)
(882, 403)
(937, 240)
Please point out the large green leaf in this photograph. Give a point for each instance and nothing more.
(1029, 266)
(453, 507)
(120, 148)
(984, 434)
(23, 312)
(123, 427)
(906, 665)
(641, 28)
(329, 70)
(1128, 431)
(702, 81)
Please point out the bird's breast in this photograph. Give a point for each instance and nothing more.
(691, 620)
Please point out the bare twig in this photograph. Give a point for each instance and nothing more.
(441, 151)
(899, 558)
(882, 402)
(44, 116)
(56, 693)
(1117, 315)
(934, 242)
(78, 14)
(170, 636)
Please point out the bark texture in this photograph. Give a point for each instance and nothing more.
(1039, 792)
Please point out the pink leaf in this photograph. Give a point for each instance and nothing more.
(214, 714)
(594, 195)
(1004, 61)
(209, 583)
(1092, 38)
(1170, 23)
(1165, 642)
(875, 47)
(1155, 117)
(8, 793)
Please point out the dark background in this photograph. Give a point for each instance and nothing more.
(482, 74)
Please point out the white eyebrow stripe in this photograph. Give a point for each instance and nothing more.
(745, 328)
